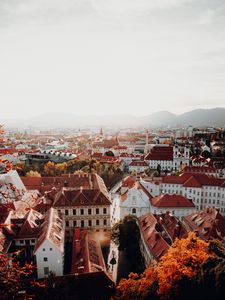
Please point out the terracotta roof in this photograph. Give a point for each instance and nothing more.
(156, 244)
(86, 181)
(52, 229)
(97, 155)
(30, 227)
(4, 151)
(128, 182)
(202, 169)
(86, 253)
(139, 163)
(198, 179)
(80, 197)
(160, 153)
(192, 182)
(208, 223)
(166, 200)
(172, 226)
(120, 147)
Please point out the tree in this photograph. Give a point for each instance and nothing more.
(125, 232)
(126, 235)
(12, 275)
(33, 174)
(109, 153)
(177, 267)
(49, 169)
(159, 169)
(183, 260)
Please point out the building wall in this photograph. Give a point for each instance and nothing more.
(177, 212)
(137, 203)
(151, 187)
(148, 258)
(12, 177)
(54, 263)
(202, 197)
(138, 169)
(94, 217)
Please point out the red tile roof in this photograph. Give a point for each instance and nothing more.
(128, 182)
(80, 197)
(192, 182)
(208, 223)
(166, 200)
(86, 253)
(156, 244)
(139, 163)
(172, 225)
(87, 181)
(52, 229)
(195, 180)
(203, 169)
(160, 153)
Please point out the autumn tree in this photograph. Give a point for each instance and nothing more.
(177, 267)
(183, 260)
(33, 174)
(12, 274)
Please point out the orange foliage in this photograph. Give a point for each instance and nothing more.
(183, 259)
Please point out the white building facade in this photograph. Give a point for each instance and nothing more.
(204, 191)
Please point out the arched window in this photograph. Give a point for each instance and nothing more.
(133, 210)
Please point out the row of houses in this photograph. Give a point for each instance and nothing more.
(41, 226)
(203, 190)
(159, 231)
(133, 197)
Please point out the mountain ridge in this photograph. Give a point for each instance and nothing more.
(197, 117)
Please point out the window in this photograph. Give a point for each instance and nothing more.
(97, 222)
(104, 210)
(133, 210)
(46, 270)
(21, 241)
(74, 223)
(82, 223)
(89, 223)
(45, 259)
(97, 211)
(82, 211)
(105, 222)
(89, 211)
(33, 241)
(74, 212)
(67, 223)
(66, 212)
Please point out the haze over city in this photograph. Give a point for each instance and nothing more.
(108, 57)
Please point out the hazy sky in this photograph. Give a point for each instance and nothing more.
(111, 56)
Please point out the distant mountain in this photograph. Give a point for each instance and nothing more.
(204, 117)
(198, 117)
(160, 118)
